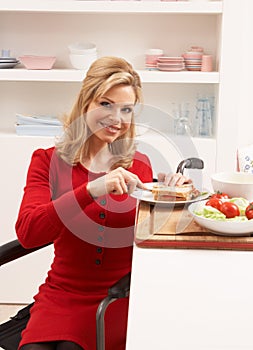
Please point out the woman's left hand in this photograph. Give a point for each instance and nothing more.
(176, 179)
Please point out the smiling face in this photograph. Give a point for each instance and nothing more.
(110, 116)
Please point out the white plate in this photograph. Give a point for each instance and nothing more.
(10, 62)
(9, 59)
(147, 196)
(221, 228)
(8, 65)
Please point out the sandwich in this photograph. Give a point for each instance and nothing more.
(184, 192)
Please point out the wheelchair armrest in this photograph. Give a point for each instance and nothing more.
(121, 288)
(13, 250)
(190, 163)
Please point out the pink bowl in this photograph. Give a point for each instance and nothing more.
(193, 68)
(195, 55)
(37, 62)
(180, 64)
(170, 59)
(197, 49)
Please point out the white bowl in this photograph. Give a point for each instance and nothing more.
(235, 184)
(82, 48)
(223, 228)
(82, 61)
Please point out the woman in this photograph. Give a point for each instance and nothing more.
(77, 196)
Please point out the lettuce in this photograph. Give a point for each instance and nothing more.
(210, 213)
(242, 204)
(238, 219)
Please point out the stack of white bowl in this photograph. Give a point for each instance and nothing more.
(82, 54)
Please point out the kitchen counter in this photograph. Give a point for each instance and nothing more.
(190, 299)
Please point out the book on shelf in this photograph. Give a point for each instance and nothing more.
(39, 130)
(42, 125)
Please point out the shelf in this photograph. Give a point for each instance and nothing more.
(197, 141)
(10, 135)
(73, 75)
(212, 7)
(53, 75)
(179, 77)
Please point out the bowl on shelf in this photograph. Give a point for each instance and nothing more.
(82, 48)
(235, 184)
(193, 60)
(37, 62)
(8, 62)
(192, 55)
(82, 61)
(81, 55)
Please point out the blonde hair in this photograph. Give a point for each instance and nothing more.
(103, 74)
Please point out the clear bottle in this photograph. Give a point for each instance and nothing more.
(203, 118)
(182, 127)
(181, 119)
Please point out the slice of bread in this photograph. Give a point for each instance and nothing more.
(173, 193)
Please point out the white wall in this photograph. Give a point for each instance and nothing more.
(19, 279)
(245, 108)
(235, 108)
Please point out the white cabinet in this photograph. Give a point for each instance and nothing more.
(190, 299)
(123, 29)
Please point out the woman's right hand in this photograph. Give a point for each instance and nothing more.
(118, 181)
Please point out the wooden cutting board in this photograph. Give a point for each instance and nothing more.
(174, 227)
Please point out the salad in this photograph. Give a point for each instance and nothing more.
(220, 207)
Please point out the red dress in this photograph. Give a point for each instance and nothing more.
(93, 249)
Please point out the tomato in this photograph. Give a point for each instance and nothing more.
(230, 209)
(249, 211)
(220, 195)
(214, 202)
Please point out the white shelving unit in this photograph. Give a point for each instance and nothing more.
(73, 75)
(68, 6)
(107, 24)
(118, 28)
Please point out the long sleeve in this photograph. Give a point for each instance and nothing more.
(56, 199)
(40, 218)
